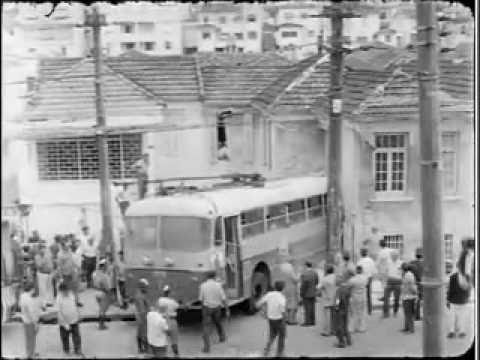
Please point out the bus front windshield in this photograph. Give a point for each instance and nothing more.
(175, 233)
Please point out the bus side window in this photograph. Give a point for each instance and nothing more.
(218, 231)
(278, 216)
(252, 222)
(315, 206)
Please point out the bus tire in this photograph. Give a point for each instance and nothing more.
(259, 288)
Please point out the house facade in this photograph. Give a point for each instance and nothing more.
(173, 118)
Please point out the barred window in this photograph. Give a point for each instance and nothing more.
(448, 247)
(77, 158)
(252, 222)
(394, 242)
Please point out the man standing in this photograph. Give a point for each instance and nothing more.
(358, 304)
(141, 167)
(54, 251)
(212, 297)
(457, 303)
(67, 269)
(342, 309)
(120, 267)
(44, 266)
(68, 320)
(383, 261)
(142, 307)
(30, 311)
(276, 314)
(171, 315)
(328, 289)
(393, 284)
(409, 294)
(308, 293)
(369, 270)
(102, 283)
(157, 330)
(288, 275)
(417, 269)
(89, 253)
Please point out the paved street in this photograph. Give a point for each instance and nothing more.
(246, 337)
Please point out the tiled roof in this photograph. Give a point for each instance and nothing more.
(70, 95)
(237, 85)
(173, 78)
(243, 59)
(143, 83)
(456, 78)
(399, 97)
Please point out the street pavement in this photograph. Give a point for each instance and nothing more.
(246, 336)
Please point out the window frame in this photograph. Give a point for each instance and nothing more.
(148, 43)
(253, 223)
(395, 238)
(250, 17)
(289, 34)
(448, 243)
(125, 26)
(450, 149)
(125, 45)
(389, 160)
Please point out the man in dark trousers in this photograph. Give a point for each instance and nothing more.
(275, 303)
(457, 303)
(417, 269)
(212, 298)
(308, 293)
(142, 307)
(341, 310)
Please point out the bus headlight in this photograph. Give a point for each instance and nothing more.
(147, 261)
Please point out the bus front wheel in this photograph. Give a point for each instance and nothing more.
(259, 288)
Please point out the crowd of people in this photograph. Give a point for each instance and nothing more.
(343, 288)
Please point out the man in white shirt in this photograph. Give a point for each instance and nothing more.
(68, 319)
(212, 298)
(393, 284)
(157, 330)
(383, 259)
(89, 253)
(276, 304)
(369, 270)
(30, 310)
(171, 315)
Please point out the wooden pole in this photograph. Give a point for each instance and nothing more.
(96, 21)
(434, 266)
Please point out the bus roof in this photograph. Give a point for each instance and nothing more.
(229, 201)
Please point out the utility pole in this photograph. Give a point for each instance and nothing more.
(334, 206)
(434, 265)
(95, 21)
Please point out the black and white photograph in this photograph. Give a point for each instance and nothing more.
(221, 179)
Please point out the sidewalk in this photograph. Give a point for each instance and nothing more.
(246, 337)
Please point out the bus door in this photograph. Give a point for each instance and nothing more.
(233, 271)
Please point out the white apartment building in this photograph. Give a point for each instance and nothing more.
(224, 27)
(55, 35)
(151, 28)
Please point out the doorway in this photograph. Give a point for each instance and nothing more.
(233, 271)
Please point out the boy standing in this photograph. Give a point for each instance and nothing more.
(157, 330)
(68, 319)
(30, 309)
(276, 303)
(409, 295)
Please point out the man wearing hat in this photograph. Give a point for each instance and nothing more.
(142, 307)
(417, 269)
(171, 315)
(101, 282)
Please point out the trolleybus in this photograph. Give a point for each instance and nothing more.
(176, 239)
